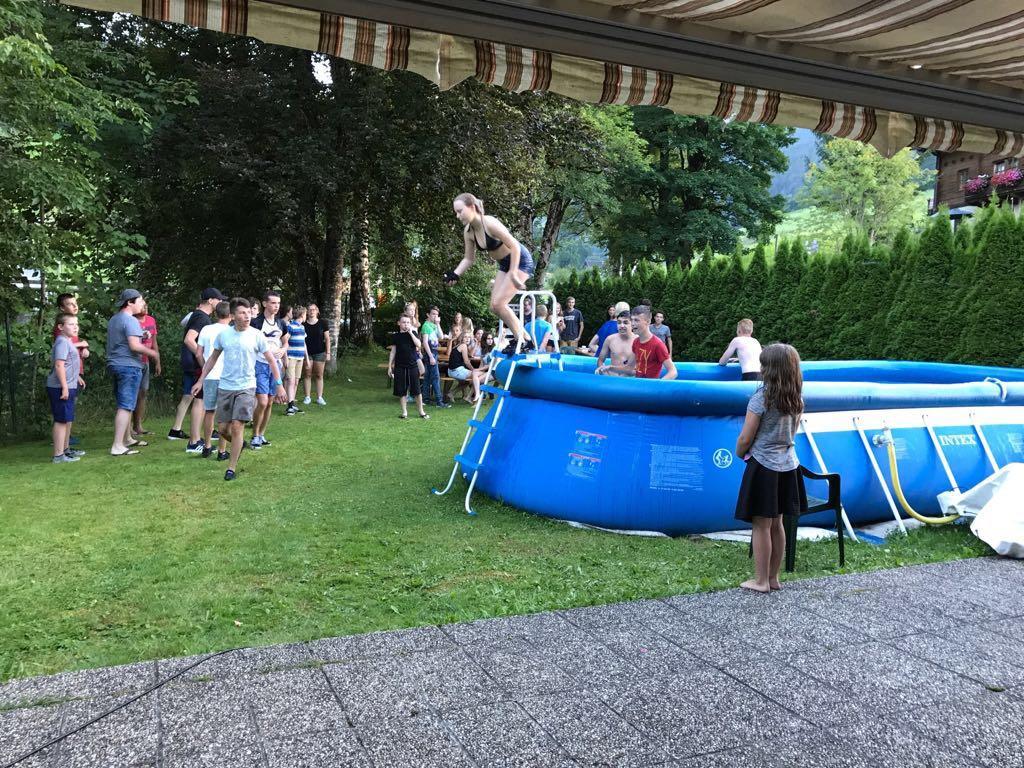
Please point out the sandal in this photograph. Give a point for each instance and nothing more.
(139, 443)
(403, 416)
(424, 415)
(125, 452)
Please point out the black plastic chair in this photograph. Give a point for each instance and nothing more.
(814, 505)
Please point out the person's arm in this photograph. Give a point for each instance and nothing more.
(327, 340)
(729, 352)
(670, 369)
(62, 377)
(81, 344)
(197, 388)
(601, 368)
(282, 352)
(425, 346)
(280, 395)
(668, 338)
(468, 257)
(391, 361)
(415, 340)
(156, 348)
(747, 434)
(135, 345)
(581, 327)
(192, 341)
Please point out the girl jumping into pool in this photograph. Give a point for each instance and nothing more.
(771, 485)
(515, 264)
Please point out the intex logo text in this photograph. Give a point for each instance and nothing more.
(953, 440)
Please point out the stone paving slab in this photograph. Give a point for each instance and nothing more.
(906, 668)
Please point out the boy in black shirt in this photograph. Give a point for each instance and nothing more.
(403, 367)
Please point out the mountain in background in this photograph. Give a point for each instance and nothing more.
(799, 154)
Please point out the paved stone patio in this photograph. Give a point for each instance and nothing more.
(920, 666)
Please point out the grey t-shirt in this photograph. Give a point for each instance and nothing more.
(663, 332)
(773, 444)
(121, 326)
(64, 350)
(239, 350)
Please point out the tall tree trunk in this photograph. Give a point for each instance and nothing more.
(359, 295)
(333, 279)
(552, 226)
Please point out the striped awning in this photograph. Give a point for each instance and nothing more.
(978, 39)
(931, 32)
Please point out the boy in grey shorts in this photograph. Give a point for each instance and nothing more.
(240, 346)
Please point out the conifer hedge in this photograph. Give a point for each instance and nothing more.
(937, 296)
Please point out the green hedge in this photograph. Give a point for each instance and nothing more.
(936, 296)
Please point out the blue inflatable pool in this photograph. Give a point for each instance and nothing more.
(632, 454)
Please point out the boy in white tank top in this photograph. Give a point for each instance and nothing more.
(746, 349)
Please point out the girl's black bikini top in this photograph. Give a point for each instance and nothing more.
(490, 243)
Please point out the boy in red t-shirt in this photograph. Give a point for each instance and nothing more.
(649, 351)
(149, 333)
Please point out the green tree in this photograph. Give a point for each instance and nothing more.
(856, 186)
(703, 183)
(990, 312)
(755, 295)
(921, 322)
(783, 286)
(865, 303)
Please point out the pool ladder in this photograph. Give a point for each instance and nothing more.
(500, 393)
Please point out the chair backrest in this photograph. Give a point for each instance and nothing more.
(834, 501)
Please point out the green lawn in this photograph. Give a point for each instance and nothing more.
(330, 531)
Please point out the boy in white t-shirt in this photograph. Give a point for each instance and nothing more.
(207, 336)
(746, 349)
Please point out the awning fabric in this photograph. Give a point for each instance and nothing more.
(447, 60)
(980, 39)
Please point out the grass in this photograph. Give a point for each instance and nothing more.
(331, 531)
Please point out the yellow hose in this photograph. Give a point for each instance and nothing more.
(895, 473)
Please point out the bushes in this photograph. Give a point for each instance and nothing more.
(936, 297)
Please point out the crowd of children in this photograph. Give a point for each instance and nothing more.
(241, 356)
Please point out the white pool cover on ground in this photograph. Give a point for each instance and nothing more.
(997, 506)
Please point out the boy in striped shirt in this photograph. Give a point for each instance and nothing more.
(297, 355)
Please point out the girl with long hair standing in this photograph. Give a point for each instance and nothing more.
(515, 264)
(771, 486)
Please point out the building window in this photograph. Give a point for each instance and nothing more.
(961, 178)
(999, 167)
(1013, 162)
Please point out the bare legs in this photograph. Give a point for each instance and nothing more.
(769, 542)
(237, 435)
(61, 437)
(122, 431)
(318, 374)
(181, 410)
(260, 416)
(501, 294)
(140, 412)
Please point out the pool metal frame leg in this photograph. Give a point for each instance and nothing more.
(984, 442)
(824, 471)
(942, 455)
(878, 473)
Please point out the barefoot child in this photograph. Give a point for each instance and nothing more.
(62, 388)
(771, 485)
(403, 366)
(746, 349)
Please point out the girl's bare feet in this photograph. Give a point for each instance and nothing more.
(774, 585)
(755, 586)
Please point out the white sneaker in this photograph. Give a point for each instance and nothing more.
(321, 401)
(306, 401)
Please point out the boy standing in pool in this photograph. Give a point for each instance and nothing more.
(620, 348)
(746, 349)
(649, 353)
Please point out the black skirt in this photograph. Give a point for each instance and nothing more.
(767, 493)
(407, 380)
